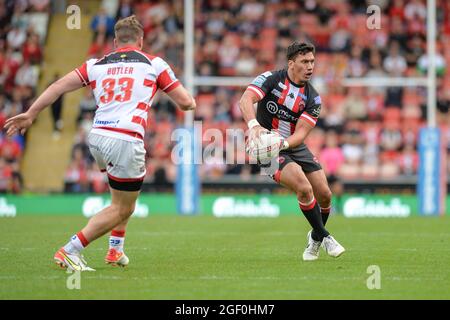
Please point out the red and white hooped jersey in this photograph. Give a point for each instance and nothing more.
(124, 84)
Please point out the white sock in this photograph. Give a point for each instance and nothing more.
(74, 246)
(116, 243)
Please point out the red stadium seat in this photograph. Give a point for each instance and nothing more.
(392, 114)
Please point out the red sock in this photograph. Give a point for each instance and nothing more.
(83, 239)
(117, 240)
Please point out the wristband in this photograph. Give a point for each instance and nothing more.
(284, 145)
(252, 123)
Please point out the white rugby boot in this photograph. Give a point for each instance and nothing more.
(332, 247)
(74, 262)
(311, 252)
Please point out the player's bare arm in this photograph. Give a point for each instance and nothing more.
(246, 103)
(302, 130)
(23, 121)
(182, 98)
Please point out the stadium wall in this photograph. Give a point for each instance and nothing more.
(229, 205)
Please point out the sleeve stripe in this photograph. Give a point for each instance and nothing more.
(308, 118)
(170, 84)
(81, 77)
(256, 90)
(165, 79)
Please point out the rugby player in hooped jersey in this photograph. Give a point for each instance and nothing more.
(289, 104)
(124, 84)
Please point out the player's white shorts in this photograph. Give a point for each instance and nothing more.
(122, 160)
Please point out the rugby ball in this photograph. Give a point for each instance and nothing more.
(266, 146)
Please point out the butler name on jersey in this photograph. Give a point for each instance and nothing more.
(283, 102)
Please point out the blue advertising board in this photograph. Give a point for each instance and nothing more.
(429, 184)
(187, 185)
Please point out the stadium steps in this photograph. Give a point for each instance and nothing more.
(46, 159)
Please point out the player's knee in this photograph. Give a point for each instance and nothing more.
(304, 192)
(128, 211)
(124, 211)
(325, 197)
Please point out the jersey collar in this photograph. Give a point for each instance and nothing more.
(127, 48)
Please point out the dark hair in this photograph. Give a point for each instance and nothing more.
(299, 48)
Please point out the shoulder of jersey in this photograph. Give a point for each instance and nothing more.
(269, 76)
(146, 58)
(274, 73)
(313, 90)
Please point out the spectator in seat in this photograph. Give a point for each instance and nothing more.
(246, 63)
(5, 176)
(391, 137)
(409, 160)
(31, 50)
(27, 75)
(395, 64)
(10, 150)
(102, 22)
(355, 105)
(16, 38)
(331, 155)
(125, 9)
(87, 104)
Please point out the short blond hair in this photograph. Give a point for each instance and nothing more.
(128, 30)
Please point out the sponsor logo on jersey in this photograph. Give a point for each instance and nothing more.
(291, 95)
(303, 96)
(316, 111)
(317, 100)
(276, 93)
(286, 116)
(106, 122)
(119, 60)
(272, 107)
(282, 85)
(259, 81)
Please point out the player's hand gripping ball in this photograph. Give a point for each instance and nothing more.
(266, 146)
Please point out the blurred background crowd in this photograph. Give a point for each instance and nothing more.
(21, 52)
(363, 132)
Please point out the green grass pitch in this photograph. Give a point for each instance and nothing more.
(235, 258)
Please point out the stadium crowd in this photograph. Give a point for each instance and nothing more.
(21, 53)
(362, 133)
